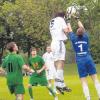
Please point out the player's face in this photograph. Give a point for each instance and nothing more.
(48, 49)
(34, 52)
(15, 47)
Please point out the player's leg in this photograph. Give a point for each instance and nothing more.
(30, 91)
(19, 92)
(51, 77)
(97, 83)
(19, 97)
(93, 74)
(85, 88)
(83, 73)
(59, 81)
(52, 92)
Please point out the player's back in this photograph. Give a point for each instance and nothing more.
(56, 28)
(13, 68)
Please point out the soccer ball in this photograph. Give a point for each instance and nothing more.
(71, 10)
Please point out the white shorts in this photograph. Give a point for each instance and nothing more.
(51, 71)
(58, 50)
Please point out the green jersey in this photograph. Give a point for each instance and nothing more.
(37, 63)
(13, 65)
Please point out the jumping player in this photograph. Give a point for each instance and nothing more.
(85, 64)
(58, 28)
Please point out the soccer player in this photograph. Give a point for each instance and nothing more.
(58, 28)
(85, 64)
(51, 71)
(14, 64)
(39, 76)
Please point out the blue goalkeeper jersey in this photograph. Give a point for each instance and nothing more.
(80, 44)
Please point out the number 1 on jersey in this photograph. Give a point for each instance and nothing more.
(81, 47)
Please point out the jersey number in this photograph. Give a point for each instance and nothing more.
(81, 47)
(10, 67)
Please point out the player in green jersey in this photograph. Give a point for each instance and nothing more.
(39, 76)
(13, 64)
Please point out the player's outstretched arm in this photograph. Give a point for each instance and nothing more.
(28, 69)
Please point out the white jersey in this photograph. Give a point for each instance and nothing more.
(56, 28)
(48, 58)
(49, 61)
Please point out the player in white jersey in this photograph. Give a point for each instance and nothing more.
(58, 28)
(51, 71)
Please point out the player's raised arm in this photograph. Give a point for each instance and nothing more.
(69, 27)
(80, 24)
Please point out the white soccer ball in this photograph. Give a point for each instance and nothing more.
(71, 10)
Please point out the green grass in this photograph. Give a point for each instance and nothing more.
(41, 93)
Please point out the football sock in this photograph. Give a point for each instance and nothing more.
(86, 91)
(97, 86)
(30, 92)
(60, 78)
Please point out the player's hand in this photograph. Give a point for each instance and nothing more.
(38, 71)
(32, 71)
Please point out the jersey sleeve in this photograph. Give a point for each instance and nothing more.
(20, 61)
(44, 58)
(71, 35)
(42, 61)
(3, 64)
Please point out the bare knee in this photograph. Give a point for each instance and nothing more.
(19, 97)
(29, 86)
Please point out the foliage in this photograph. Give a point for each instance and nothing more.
(31, 18)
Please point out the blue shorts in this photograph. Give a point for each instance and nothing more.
(86, 66)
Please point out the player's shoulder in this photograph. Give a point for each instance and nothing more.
(45, 54)
(39, 57)
(72, 35)
(18, 56)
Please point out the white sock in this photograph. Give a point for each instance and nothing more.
(60, 76)
(86, 91)
(97, 86)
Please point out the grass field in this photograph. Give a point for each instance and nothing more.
(41, 93)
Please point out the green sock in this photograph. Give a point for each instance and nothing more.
(30, 92)
(51, 90)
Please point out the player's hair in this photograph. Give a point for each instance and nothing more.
(10, 46)
(60, 14)
(33, 49)
(80, 30)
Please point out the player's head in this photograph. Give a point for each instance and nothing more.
(60, 14)
(80, 31)
(12, 47)
(48, 49)
(33, 51)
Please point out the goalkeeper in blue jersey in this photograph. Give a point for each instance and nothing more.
(85, 63)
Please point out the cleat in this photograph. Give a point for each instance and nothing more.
(60, 90)
(67, 89)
